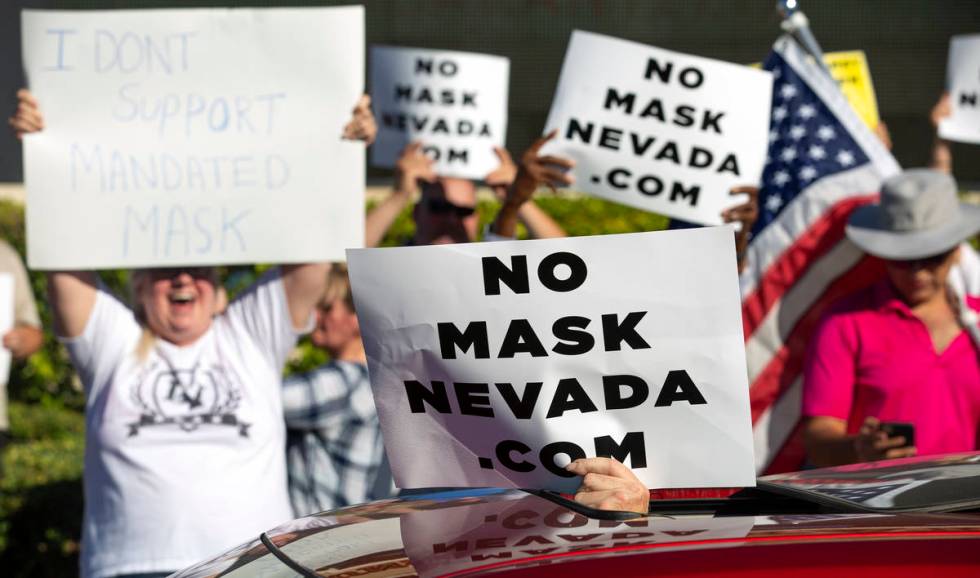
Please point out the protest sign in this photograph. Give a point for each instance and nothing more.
(659, 130)
(6, 324)
(182, 137)
(494, 364)
(455, 103)
(963, 78)
(850, 70)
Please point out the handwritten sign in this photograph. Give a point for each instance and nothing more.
(963, 71)
(179, 137)
(659, 130)
(455, 103)
(495, 364)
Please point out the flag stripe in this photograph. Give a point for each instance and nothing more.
(808, 246)
(787, 364)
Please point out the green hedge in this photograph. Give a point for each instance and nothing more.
(41, 493)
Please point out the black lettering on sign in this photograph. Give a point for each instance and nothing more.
(572, 341)
(522, 406)
(475, 336)
(429, 65)
(679, 387)
(516, 279)
(689, 77)
(555, 449)
(570, 395)
(473, 399)
(968, 99)
(612, 386)
(632, 446)
(419, 395)
(521, 338)
(504, 452)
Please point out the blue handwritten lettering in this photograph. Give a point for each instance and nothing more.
(60, 33)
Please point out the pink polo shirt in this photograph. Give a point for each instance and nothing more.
(871, 356)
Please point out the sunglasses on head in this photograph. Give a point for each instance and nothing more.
(930, 262)
(440, 206)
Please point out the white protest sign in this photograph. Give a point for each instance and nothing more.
(6, 323)
(181, 137)
(455, 103)
(659, 130)
(963, 72)
(492, 364)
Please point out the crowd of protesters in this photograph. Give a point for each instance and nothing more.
(905, 350)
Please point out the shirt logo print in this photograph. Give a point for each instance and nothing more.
(187, 399)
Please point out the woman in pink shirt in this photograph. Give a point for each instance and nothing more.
(906, 349)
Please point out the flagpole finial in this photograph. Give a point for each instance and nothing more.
(786, 8)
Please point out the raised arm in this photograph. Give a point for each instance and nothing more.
(304, 284)
(412, 166)
(942, 155)
(533, 172)
(746, 215)
(539, 224)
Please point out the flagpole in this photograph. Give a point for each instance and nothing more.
(797, 25)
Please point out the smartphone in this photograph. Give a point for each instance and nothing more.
(895, 429)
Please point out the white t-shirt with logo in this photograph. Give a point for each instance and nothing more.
(184, 449)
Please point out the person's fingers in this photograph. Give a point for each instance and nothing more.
(744, 190)
(870, 425)
(363, 105)
(604, 466)
(412, 148)
(503, 156)
(561, 162)
(555, 177)
(905, 452)
(25, 95)
(536, 145)
(593, 482)
(623, 499)
(888, 443)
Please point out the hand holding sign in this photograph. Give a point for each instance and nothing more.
(609, 485)
(535, 170)
(27, 118)
(413, 166)
(503, 176)
(362, 125)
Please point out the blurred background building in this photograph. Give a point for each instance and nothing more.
(906, 42)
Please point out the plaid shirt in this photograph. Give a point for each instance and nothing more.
(334, 451)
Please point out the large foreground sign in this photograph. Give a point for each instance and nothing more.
(495, 364)
(659, 130)
(178, 137)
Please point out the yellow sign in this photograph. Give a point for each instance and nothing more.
(850, 70)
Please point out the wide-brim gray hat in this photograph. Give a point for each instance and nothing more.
(919, 216)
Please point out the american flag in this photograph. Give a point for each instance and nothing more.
(823, 162)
